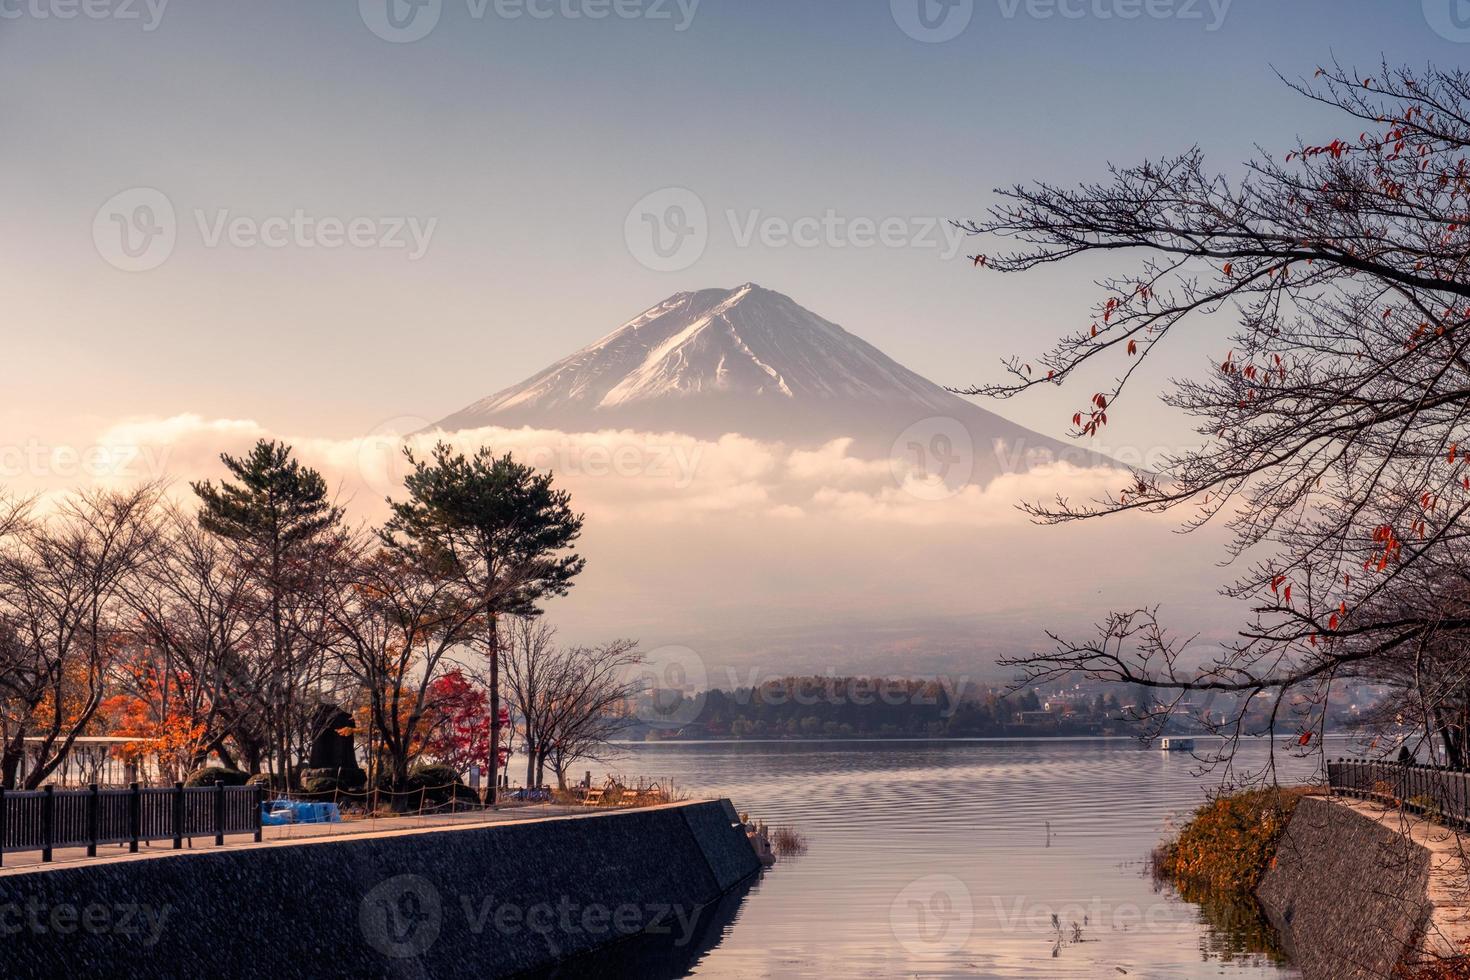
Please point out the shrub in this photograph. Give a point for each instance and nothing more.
(428, 783)
(275, 783)
(210, 775)
(788, 841)
(332, 781)
(432, 774)
(1229, 843)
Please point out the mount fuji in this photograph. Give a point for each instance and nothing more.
(752, 361)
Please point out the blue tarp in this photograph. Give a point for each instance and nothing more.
(276, 812)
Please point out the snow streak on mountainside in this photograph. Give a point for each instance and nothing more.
(750, 361)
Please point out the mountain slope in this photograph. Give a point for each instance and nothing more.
(752, 361)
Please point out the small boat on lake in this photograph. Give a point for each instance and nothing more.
(1177, 744)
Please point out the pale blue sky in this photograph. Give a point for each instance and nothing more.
(527, 141)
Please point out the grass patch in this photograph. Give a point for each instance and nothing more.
(1228, 844)
(788, 842)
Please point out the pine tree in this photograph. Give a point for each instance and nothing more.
(279, 516)
(498, 527)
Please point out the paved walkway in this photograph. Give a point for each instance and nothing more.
(22, 861)
(1448, 930)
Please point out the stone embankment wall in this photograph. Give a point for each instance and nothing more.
(484, 901)
(1357, 889)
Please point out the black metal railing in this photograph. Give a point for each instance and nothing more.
(1441, 794)
(48, 818)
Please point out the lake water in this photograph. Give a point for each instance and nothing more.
(950, 859)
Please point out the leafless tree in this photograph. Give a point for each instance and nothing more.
(397, 623)
(63, 619)
(570, 702)
(1333, 415)
(192, 642)
(530, 665)
(590, 706)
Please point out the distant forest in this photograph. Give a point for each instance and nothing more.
(866, 707)
(815, 707)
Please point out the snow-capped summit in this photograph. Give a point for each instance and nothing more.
(748, 341)
(746, 360)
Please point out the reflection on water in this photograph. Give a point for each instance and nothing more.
(1238, 929)
(667, 955)
(959, 859)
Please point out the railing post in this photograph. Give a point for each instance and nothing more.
(178, 801)
(48, 820)
(135, 816)
(94, 818)
(259, 805)
(4, 811)
(219, 813)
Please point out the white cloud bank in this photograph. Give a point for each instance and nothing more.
(743, 549)
(613, 474)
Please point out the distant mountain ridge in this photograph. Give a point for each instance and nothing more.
(752, 361)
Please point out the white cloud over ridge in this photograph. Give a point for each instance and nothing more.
(648, 476)
(745, 550)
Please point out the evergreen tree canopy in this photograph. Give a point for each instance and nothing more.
(277, 501)
(494, 522)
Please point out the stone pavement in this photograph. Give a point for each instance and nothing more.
(21, 861)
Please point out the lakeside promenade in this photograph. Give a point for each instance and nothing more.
(22, 862)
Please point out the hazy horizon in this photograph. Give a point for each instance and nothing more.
(310, 223)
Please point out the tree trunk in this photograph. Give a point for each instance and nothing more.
(250, 753)
(1450, 737)
(10, 760)
(493, 643)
